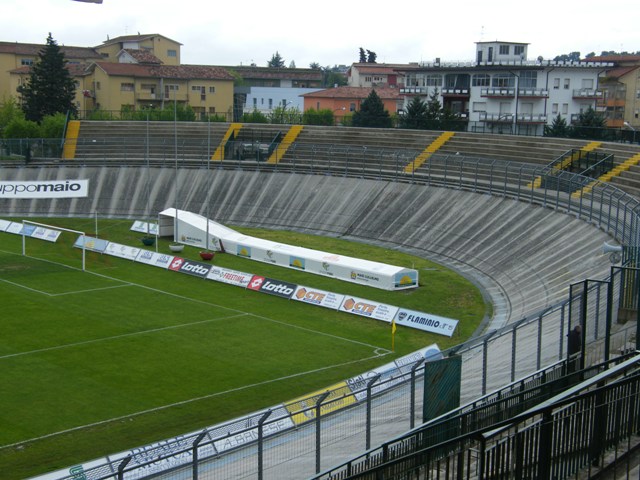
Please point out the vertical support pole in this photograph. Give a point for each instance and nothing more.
(261, 443)
(122, 466)
(368, 424)
(321, 399)
(194, 454)
(608, 318)
(412, 404)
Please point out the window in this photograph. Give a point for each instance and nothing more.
(197, 88)
(96, 85)
(270, 103)
(26, 62)
(148, 86)
(212, 89)
(518, 49)
(567, 83)
(212, 109)
(554, 108)
(479, 106)
(255, 102)
(352, 107)
(172, 53)
(504, 50)
(565, 108)
(503, 80)
(556, 83)
(528, 79)
(126, 87)
(434, 80)
(367, 79)
(587, 83)
(481, 80)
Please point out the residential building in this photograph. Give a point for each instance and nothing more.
(110, 86)
(342, 100)
(503, 91)
(373, 75)
(621, 90)
(16, 59)
(265, 89)
(161, 47)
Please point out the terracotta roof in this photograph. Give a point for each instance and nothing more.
(34, 49)
(613, 58)
(385, 93)
(620, 71)
(75, 69)
(277, 73)
(203, 72)
(373, 68)
(134, 38)
(143, 56)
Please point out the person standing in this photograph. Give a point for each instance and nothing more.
(574, 346)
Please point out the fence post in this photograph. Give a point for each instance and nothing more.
(260, 444)
(321, 399)
(196, 444)
(122, 466)
(412, 404)
(368, 424)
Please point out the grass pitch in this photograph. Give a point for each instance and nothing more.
(126, 354)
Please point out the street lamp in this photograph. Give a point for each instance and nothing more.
(626, 124)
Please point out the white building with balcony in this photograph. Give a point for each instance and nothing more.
(503, 91)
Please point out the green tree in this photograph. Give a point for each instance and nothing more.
(276, 61)
(254, 117)
(568, 57)
(318, 117)
(50, 88)
(362, 56)
(371, 56)
(372, 113)
(20, 127)
(52, 126)
(434, 112)
(589, 125)
(9, 110)
(415, 116)
(558, 128)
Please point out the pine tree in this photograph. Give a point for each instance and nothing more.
(50, 88)
(415, 116)
(372, 113)
(558, 128)
(590, 124)
(434, 111)
(363, 56)
(276, 61)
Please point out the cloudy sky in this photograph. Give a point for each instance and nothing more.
(331, 32)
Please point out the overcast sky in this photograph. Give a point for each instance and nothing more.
(330, 32)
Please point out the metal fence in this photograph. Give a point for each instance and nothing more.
(296, 441)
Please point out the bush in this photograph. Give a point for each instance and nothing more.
(22, 128)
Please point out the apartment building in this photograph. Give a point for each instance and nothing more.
(620, 86)
(503, 91)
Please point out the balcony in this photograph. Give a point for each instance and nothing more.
(147, 95)
(588, 93)
(498, 92)
(533, 93)
(496, 117)
(456, 92)
(414, 90)
(531, 118)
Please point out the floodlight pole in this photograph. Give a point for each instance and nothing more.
(175, 149)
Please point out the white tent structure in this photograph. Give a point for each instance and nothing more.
(196, 230)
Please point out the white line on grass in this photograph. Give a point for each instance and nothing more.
(191, 400)
(115, 337)
(19, 285)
